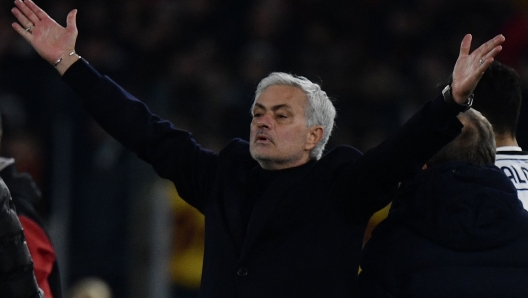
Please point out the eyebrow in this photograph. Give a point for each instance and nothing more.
(274, 108)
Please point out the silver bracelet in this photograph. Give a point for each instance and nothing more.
(60, 59)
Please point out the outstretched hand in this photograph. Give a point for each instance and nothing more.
(51, 41)
(469, 68)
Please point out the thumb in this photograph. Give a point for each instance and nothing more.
(71, 20)
(465, 45)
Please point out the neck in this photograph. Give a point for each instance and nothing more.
(274, 165)
(502, 140)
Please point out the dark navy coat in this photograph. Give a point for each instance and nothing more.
(305, 234)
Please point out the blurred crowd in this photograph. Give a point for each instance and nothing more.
(197, 63)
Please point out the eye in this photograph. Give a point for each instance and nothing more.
(257, 115)
(282, 116)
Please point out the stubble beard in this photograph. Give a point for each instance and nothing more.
(269, 161)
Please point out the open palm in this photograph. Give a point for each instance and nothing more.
(47, 37)
(470, 66)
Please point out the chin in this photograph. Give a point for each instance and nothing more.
(259, 156)
(262, 157)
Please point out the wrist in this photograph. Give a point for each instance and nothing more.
(450, 100)
(64, 62)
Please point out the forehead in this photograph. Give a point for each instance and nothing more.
(282, 95)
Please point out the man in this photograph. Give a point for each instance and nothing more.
(455, 230)
(17, 278)
(499, 100)
(26, 196)
(282, 220)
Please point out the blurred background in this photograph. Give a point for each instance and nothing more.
(197, 63)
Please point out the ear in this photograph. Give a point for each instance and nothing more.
(424, 167)
(315, 134)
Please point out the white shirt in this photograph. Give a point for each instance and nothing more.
(514, 163)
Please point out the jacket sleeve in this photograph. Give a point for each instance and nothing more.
(41, 251)
(17, 278)
(173, 153)
(26, 196)
(398, 158)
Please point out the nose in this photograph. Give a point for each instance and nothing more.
(264, 121)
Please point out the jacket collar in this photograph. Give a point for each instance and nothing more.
(6, 162)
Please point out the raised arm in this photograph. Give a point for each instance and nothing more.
(52, 42)
(173, 153)
(402, 155)
(470, 67)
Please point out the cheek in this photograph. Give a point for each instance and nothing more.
(295, 137)
(252, 130)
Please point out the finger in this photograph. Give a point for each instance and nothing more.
(30, 15)
(486, 63)
(37, 10)
(488, 59)
(465, 45)
(483, 68)
(24, 22)
(489, 46)
(25, 34)
(71, 20)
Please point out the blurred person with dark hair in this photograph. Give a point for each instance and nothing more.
(499, 100)
(456, 230)
(281, 218)
(17, 278)
(26, 197)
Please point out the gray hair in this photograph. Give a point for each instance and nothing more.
(319, 112)
(476, 143)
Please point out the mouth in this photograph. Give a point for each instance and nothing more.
(261, 138)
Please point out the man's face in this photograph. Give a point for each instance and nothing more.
(279, 136)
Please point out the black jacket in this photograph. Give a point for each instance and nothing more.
(457, 230)
(305, 233)
(26, 197)
(16, 266)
